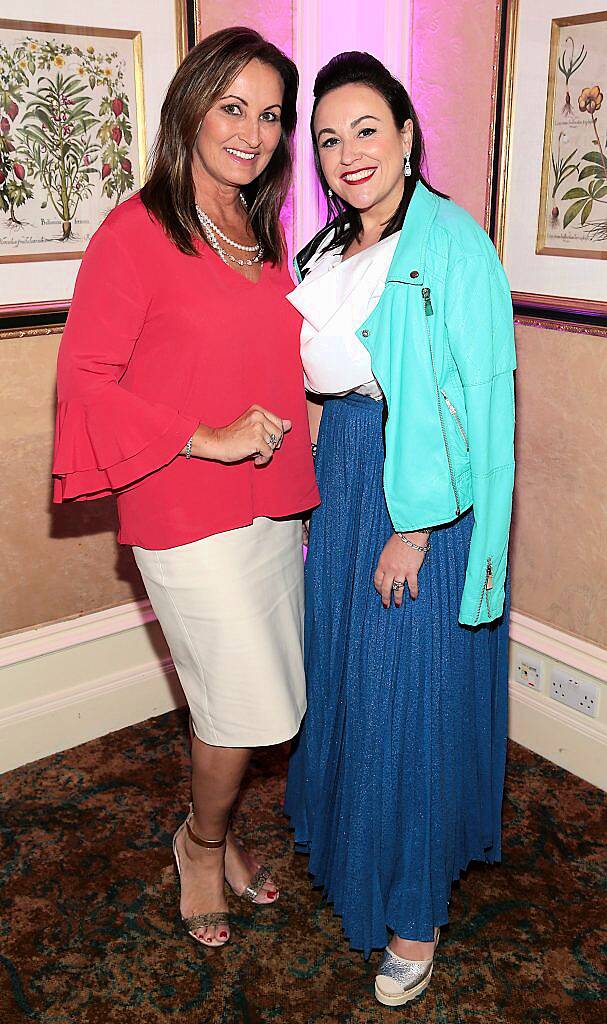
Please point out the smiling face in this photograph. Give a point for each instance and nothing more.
(239, 134)
(360, 147)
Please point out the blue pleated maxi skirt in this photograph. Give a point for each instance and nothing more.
(395, 781)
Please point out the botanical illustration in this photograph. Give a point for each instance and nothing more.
(68, 137)
(573, 205)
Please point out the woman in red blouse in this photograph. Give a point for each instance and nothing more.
(180, 390)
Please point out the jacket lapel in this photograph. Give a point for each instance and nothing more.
(410, 256)
(409, 263)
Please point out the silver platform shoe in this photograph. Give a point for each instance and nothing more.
(399, 981)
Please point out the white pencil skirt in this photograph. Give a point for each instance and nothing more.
(231, 609)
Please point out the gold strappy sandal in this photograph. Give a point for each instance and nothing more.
(201, 920)
(261, 876)
(254, 887)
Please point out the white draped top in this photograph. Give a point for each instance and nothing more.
(335, 298)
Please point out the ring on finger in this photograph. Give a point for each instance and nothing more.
(398, 584)
(273, 441)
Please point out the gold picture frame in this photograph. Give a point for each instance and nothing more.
(545, 285)
(40, 40)
(187, 26)
(46, 314)
(560, 170)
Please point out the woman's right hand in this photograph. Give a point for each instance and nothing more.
(248, 436)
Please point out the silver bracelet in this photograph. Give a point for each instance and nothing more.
(188, 448)
(423, 548)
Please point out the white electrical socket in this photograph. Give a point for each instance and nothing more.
(575, 693)
(528, 671)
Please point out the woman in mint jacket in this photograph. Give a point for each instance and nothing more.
(395, 783)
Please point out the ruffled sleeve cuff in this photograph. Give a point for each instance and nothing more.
(105, 447)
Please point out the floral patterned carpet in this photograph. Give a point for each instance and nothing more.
(89, 921)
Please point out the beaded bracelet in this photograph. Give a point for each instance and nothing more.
(423, 548)
(188, 448)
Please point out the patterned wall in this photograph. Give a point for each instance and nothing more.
(451, 80)
(559, 554)
(56, 560)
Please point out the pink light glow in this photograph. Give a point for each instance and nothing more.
(444, 53)
(451, 84)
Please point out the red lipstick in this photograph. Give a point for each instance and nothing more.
(359, 181)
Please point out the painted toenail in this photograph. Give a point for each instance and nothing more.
(223, 935)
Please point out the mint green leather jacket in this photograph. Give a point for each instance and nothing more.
(441, 341)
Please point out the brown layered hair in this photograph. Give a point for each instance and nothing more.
(198, 83)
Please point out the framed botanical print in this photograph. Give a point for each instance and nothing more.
(72, 135)
(79, 108)
(549, 205)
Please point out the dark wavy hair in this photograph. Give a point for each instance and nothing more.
(362, 68)
(198, 82)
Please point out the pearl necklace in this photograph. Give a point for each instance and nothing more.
(212, 231)
(206, 220)
(227, 256)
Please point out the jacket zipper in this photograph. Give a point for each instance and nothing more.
(430, 312)
(487, 586)
(455, 415)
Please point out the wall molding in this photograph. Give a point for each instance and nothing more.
(314, 27)
(565, 647)
(306, 54)
(58, 636)
(559, 734)
(97, 673)
(61, 700)
(70, 682)
(398, 40)
(51, 724)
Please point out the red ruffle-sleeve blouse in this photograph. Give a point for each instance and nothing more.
(157, 342)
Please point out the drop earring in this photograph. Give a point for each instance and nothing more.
(407, 167)
(329, 193)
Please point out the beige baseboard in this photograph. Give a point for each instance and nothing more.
(70, 682)
(551, 730)
(560, 647)
(560, 734)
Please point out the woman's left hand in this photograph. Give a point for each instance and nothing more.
(399, 562)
